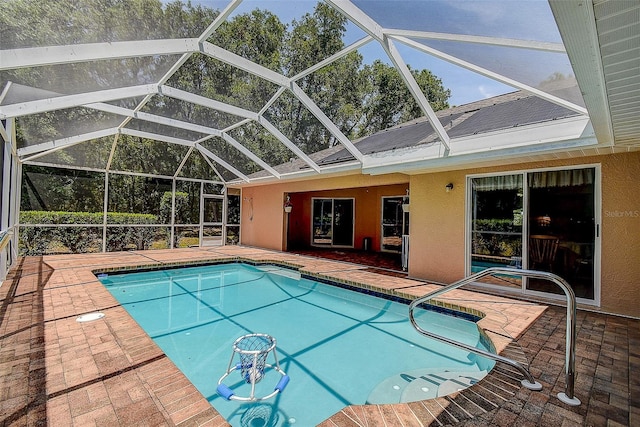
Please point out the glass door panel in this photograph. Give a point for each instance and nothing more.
(496, 225)
(322, 222)
(332, 222)
(343, 222)
(232, 225)
(392, 224)
(562, 229)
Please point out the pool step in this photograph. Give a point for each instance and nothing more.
(421, 384)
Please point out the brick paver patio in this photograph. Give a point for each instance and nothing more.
(58, 372)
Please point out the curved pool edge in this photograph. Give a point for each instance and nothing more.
(496, 388)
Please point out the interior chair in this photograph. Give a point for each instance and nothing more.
(542, 251)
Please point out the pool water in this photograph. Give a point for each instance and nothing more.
(339, 347)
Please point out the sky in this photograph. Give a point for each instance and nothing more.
(519, 19)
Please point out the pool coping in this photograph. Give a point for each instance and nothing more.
(72, 289)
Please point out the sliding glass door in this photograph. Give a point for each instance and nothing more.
(497, 225)
(550, 216)
(333, 221)
(562, 228)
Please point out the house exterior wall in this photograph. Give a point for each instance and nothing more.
(438, 226)
(367, 209)
(437, 220)
(264, 222)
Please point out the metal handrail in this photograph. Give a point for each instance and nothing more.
(529, 382)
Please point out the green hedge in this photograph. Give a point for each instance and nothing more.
(36, 240)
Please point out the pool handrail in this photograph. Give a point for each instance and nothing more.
(529, 382)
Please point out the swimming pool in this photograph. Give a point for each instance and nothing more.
(338, 347)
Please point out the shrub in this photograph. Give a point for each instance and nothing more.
(38, 240)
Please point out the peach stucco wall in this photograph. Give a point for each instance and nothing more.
(438, 226)
(263, 218)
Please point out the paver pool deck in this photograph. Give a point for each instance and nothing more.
(59, 372)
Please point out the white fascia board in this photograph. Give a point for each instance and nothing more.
(52, 55)
(490, 74)
(237, 61)
(577, 25)
(523, 141)
(79, 100)
(326, 121)
(340, 168)
(57, 144)
(207, 102)
(492, 41)
(244, 150)
(218, 160)
(290, 145)
(156, 137)
(415, 90)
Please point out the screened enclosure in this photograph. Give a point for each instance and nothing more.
(124, 122)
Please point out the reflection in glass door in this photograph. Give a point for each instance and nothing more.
(496, 225)
(549, 216)
(561, 212)
(395, 223)
(332, 222)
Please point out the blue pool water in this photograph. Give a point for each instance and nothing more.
(338, 347)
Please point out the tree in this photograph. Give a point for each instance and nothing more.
(360, 99)
(388, 101)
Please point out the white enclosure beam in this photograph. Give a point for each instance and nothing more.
(326, 121)
(219, 20)
(70, 101)
(372, 28)
(184, 160)
(358, 17)
(344, 52)
(3, 133)
(244, 150)
(273, 99)
(207, 102)
(237, 61)
(415, 90)
(491, 74)
(157, 137)
(237, 125)
(152, 118)
(464, 38)
(39, 150)
(290, 145)
(52, 55)
(221, 162)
